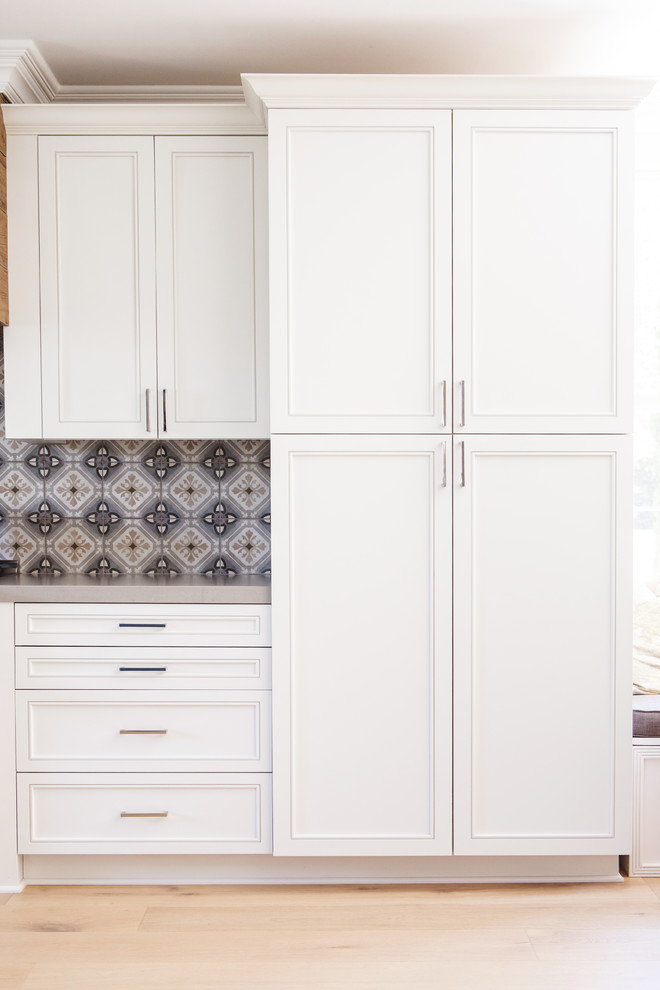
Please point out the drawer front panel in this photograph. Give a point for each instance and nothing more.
(112, 730)
(144, 813)
(142, 625)
(142, 667)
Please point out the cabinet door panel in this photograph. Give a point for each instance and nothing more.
(212, 285)
(542, 270)
(360, 213)
(98, 318)
(362, 646)
(542, 614)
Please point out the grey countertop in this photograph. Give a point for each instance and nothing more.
(183, 589)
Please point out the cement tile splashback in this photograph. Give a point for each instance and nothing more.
(155, 507)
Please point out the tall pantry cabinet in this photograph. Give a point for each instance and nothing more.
(450, 382)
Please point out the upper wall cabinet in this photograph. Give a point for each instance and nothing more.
(360, 218)
(542, 271)
(97, 280)
(211, 251)
(152, 268)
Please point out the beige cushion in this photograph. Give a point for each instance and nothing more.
(646, 647)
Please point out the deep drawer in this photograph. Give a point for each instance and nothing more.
(127, 730)
(142, 667)
(144, 813)
(142, 625)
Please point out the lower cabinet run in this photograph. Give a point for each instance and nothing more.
(146, 763)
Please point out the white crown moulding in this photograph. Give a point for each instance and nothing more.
(264, 92)
(25, 76)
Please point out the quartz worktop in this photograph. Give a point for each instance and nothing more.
(183, 589)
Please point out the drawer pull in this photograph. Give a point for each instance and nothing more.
(142, 625)
(143, 814)
(143, 732)
(147, 670)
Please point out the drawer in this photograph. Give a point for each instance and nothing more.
(127, 730)
(142, 625)
(142, 667)
(144, 813)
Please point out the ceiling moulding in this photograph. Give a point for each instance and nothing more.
(149, 94)
(264, 92)
(25, 76)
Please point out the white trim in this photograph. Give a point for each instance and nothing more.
(148, 94)
(256, 869)
(264, 92)
(15, 888)
(25, 76)
(132, 118)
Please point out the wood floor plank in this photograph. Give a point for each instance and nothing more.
(613, 945)
(464, 975)
(281, 956)
(4, 898)
(642, 910)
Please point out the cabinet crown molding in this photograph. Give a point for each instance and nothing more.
(264, 92)
(132, 118)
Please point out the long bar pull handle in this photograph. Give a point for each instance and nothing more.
(144, 814)
(164, 410)
(148, 408)
(143, 732)
(443, 392)
(146, 670)
(461, 385)
(143, 625)
(444, 463)
(462, 446)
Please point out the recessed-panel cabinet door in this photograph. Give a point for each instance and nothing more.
(542, 271)
(211, 221)
(98, 306)
(362, 646)
(542, 633)
(360, 233)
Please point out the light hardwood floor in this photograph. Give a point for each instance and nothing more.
(563, 937)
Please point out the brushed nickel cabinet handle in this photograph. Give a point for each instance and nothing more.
(444, 464)
(443, 392)
(461, 385)
(462, 446)
(143, 732)
(164, 410)
(144, 670)
(142, 625)
(144, 814)
(148, 408)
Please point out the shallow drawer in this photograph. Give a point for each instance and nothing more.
(142, 625)
(126, 730)
(142, 667)
(144, 813)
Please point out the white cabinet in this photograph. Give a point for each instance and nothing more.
(360, 234)
(98, 282)
(175, 759)
(541, 614)
(211, 250)
(543, 271)
(362, 740)
(361, 283)
(153, 272)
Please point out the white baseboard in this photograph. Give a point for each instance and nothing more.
(333, 870)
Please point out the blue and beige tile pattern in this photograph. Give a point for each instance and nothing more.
(161, 507)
